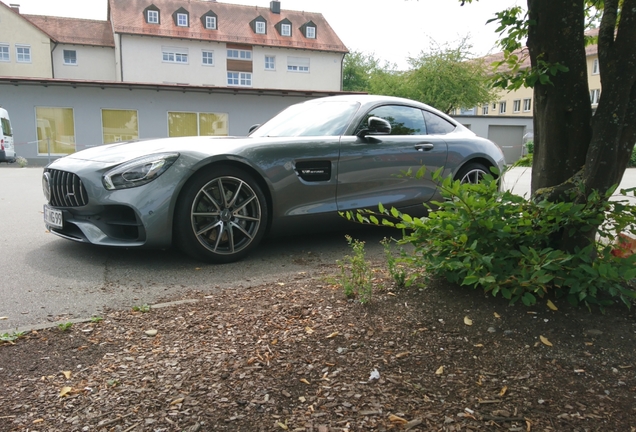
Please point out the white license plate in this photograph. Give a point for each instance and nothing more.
(53, 217)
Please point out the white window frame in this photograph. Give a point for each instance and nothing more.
(502, 107)
(182, 20)
(5, 53)
(207, 58)
(152, 16)
(285, 29)
(516, 105)
(595, 70)
(174, 55)
(71, 61)
(595, 96)
(239, 79)
(298, 64)
(237, 54)
(310, 32)
(270, 63)
(210, 22)
(484, 110)
(527, 105)
(260, 27)
(23, 53)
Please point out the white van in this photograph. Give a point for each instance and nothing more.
(7, 151)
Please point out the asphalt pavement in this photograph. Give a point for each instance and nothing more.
(45, 279)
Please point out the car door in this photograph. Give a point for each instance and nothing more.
(374, 169)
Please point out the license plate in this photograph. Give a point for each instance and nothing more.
(53, 217)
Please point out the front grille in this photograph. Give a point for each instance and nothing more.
(67, 189)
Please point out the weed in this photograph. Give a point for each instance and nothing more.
(355, 273)
(96, 319)
(65, 326)
(21, 161)
(143, 308)
(11, 337)
(397, 271)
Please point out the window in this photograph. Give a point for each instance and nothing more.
(260, 27)
(502, 107)
(310, 32)
(527, 105)
(484, 110)
(436, 124)
(595, 67)
(298, 64)
(207, 58)
(197, 124)
(242, 79)
(210, 22)
(119, 125)
(270, 63)
(494, 106)
(404, 120)
(516, 106)
(175, 55)
(152, 16)
(55, 130)
(285, 29)
(70, 57)
(595, 95)
(4, 53)
(239, 54)
(182, 20)
(23, 53)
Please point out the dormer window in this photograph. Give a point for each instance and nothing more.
(181, 17)
(309, 30)
(209, 20)
(259, 25)
(285, 30)
(151, 15)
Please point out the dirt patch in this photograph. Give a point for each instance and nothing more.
(298, 356)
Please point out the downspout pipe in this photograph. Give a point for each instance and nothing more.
(55, 44)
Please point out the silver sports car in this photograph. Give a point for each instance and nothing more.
(216, 197)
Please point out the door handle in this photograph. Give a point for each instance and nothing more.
(424, 146)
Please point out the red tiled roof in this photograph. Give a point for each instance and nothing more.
(233, 24)
(74, 30)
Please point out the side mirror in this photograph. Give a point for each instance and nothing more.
(253, 128)
(376, 126)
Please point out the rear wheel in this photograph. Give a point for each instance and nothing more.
(221, 215)
(471, 173)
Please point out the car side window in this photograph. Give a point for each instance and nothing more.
(404, 120)
(437, 125)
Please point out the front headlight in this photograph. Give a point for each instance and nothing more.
(138, 171)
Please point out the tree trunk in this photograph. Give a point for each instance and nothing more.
(571, 144)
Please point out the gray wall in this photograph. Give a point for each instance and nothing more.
(152, 104)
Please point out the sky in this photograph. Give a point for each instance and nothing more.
(391, 30)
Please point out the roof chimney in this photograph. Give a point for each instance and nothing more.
(274, 6)
(15, 7)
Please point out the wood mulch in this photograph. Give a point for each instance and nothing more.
(298, 356)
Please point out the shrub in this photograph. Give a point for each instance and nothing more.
(632, 160)
(502, 243)
(355, 273)
(21, 161)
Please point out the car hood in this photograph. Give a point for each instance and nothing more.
(125, 151)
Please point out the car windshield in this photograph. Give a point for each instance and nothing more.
(310, 119)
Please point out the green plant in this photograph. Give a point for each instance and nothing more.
(143, 308)
(355, 272)
(397, 270)
(530, 147)
(96, 319)
(11, 337)
(65, 326)
(481, 237)
(21, 161)
(632, 159)
(524, 161)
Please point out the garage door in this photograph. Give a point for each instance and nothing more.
(509, 138)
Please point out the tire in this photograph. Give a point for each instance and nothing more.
(220, 228)
(471, 173)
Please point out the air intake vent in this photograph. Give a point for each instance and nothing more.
(67, 189)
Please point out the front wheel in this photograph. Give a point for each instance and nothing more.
(221, 215)
(471, 173)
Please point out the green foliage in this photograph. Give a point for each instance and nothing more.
(65, 326)
(143, 308)
(96, 319)
(357, 71)
(632, 159)
(355, 273)
(10, 337)
(502, 243)
(397, 271)
(530, 147)
(526, 161)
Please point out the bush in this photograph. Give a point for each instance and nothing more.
(502, 243)
(632, 160)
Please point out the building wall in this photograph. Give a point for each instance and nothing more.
(15, 30)
(152, 108)
(93, 63)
